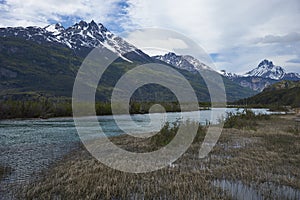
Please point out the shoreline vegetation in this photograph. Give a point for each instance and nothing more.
(45, 108)
(255, 160)
(13, 109)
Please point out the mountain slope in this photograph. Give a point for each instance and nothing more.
(187, 63)
(284, 93)
(31, 69)
(38, 61)
(283, 85)
(26, 66)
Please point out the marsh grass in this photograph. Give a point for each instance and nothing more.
(264, 160)
(159, 140)
(86, 178)
(294, 130)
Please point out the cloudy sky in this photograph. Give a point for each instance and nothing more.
(236, 34)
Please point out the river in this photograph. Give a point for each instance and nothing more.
(29, 146)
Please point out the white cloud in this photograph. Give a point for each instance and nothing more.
(229, 28)
(290, 37)
(40, 13)
(242, 59)
(241, 32)
(156, 41)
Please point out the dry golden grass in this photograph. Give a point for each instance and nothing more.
(85, 178)
(268, 155)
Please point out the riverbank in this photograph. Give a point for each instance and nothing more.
(52, 108)
(255, 163)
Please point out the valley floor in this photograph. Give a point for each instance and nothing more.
(251, 164)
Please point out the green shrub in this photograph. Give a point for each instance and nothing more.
(244, 120)
(168, 132)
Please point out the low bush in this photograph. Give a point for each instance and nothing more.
(168, 132)
(246, 119)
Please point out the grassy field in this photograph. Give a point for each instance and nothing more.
(261, 161)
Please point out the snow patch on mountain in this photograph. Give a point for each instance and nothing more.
(80, 35)
(185, 62)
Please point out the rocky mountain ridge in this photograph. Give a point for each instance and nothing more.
(265, 74)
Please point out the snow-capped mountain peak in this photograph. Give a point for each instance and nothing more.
(79, 36)
(91, 35)
(265, 74)
(266, 69)
(185, 62)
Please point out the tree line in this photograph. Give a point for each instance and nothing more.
(46, 108)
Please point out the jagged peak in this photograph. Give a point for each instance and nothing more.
(83, 25)
(186, 62)
(266, 62)
(266, 69)
(95, 24)
(269, 65)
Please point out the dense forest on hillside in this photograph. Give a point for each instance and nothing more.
(284, 93)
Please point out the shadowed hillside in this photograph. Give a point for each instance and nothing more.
(284, 93)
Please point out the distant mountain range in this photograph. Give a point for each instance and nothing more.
(185, 62)
(265, 74)
(257, 79)
(37, 61)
